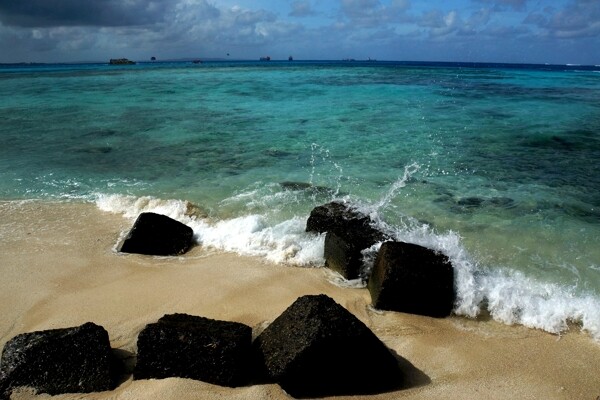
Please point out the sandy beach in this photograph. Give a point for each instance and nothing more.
(59, 268)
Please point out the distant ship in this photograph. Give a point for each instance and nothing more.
(265, 58)
(120, 61)
(290, 58)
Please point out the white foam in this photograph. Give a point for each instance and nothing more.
(252, 235)
(510, 296)
(285, 242)
(514, 298)
(131, 206)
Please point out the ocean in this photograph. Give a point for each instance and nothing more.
(495, 165)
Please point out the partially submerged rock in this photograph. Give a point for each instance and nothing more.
(343, 252)
(348, 233)
(68, 360)
(186, 346)
(337, 216)
(412, 279)
(307, 187)
(159, 235)
(317, 348)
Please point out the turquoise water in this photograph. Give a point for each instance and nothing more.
(497, 166)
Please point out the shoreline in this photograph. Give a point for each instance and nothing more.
(59, 269)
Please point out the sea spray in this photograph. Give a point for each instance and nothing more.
(320, 154)
(400, 183)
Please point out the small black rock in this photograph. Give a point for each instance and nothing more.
(159, 235)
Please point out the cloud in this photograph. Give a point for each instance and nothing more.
(61, 30)
(439, 25)
(52, 13)
(449, 23)
(374, 14)
(579, 19)
(301, 8)
(501, 5)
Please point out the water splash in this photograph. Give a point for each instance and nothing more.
(320, 154)
(409, 171)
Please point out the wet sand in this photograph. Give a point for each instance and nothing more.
(59, 268)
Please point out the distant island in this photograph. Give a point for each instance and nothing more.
(120, 61)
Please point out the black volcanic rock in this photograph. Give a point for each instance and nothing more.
(412, 279)
(337, 216)
(348, 233)
(158, 235)
(343, 252)
(317, 348)
(187, 346)
(68, 360)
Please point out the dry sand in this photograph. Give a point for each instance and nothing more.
(58, 269)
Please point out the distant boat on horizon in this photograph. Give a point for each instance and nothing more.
(265, 58)
(290, 58)
(120, 61)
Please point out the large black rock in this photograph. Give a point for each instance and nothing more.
(158, 235)
(337, 216)
(186, 346)
(317, 348)
(343, 252)
(68, 360)
(413, 279)
(348, 233)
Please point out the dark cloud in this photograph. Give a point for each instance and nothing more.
(49, 13)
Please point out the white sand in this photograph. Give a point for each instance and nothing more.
(58, 268)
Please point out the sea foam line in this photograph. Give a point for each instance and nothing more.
(508, 295)
(251, 235)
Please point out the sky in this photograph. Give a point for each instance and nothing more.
(515, 31)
